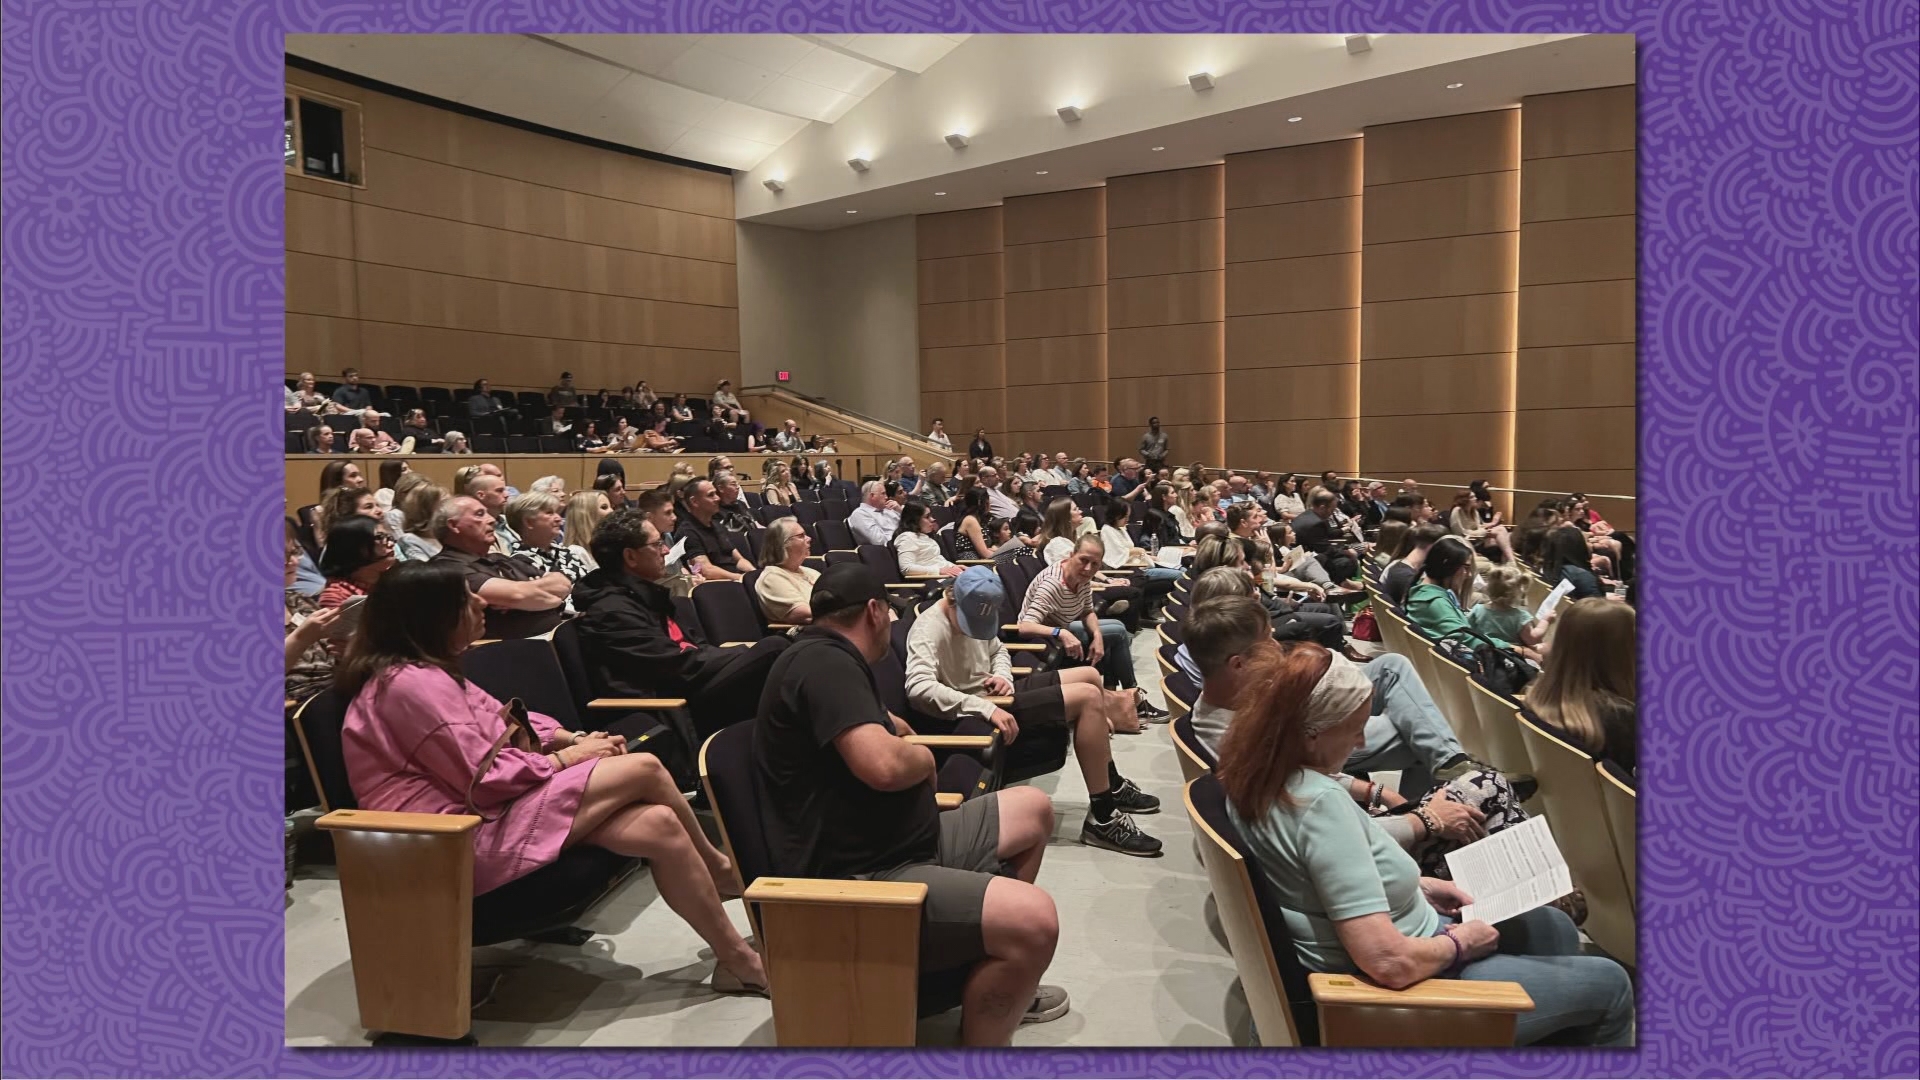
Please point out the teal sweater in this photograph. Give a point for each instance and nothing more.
(1434, 610)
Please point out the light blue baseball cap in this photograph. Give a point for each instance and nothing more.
(977, 597)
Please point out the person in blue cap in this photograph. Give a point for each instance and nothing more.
(957, 667)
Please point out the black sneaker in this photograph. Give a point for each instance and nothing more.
(1146, 711)
(1119, 834)
(1129, 798)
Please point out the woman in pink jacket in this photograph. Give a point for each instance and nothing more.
(420, 738)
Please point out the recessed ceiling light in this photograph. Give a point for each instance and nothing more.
(939, 193)
(1455, 85)
(1295, 119)
(1200, 80)
(1039, 172)
(1159, 148)
(853, 211)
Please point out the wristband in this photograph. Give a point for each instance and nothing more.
(1459, 954)
(1056, 633)
(1427, 820)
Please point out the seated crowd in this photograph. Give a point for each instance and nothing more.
(1051, 563)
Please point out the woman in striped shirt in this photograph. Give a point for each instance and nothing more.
(1059, 605)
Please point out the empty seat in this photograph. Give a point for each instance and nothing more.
(727, 611)
(523, 444)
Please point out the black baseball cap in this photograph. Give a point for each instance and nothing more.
(844, 586)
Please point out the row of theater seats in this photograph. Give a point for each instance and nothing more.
(1591, 803)
(451, 401)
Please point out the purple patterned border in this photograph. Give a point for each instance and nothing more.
(143, 285)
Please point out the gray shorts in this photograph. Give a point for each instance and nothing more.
(950, 921)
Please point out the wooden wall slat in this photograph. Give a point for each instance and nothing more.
(1167, 299)
(1290, 230)
(964, 277)
(962, 232)
(1591, 185)
(1056, 254)
(1443, 146)
(1040, 360)
(1157, 197)
(1578, 249)
(1056, 215)
(1140, 351)
(1056, 312)
(1294, 338)
(1289, 174)
(1325, 391)
(1177, 247)
(1315, 283)
(1057, 264)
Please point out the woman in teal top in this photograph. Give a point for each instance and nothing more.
(1433, 604)
(1353, 900)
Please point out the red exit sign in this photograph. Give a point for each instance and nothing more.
(783, 376)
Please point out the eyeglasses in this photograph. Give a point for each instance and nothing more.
(383, 538)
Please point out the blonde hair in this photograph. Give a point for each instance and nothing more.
(1505, 585)
(526, 504)
(581, 518)
(417, 506)
(1589, 670)
(773, 547)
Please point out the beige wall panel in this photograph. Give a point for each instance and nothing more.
(963, 232)
(1056, 405)
(1592, 185)
(1453, 266)
(972, 322)
(1443, 146)
(1584, 249)
(1055, 215)
(1584, 313)
(1575, 376)
(1576, 438)
(1089, 443)
(1036, 361)
(1450, 206)
(1316, 283)
(1580, 122)
(1293, 393)
(307, 185)
(1595, 483)
(967, 277)
(406, 127)
(964, 412)
(1466, 447)
(1175, 399)
(393, 352)
(1424, 385)
(963, 367)
(1157, 197)
(1186, 443)
(389, 294)
(319, 226)
(1291, 230)
(1294, 338)
(1056, 312)
(1160, 301)
(1294, 173)
(324, 346)
(317, 285)
(1181, 348)
(1442, 326)
(1178, 247)
(1059, 264)
(1306, 446)
(395, 238)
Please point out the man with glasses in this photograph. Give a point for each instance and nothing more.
(635, 647)
(521, 601)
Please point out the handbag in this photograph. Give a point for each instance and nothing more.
(1502, 670)
(1365, 627)
(519, 734)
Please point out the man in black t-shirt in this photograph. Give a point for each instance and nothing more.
(845, 796)
(711, 546)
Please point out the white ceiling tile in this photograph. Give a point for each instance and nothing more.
(914, 52)
(632, 129)
(643, 95)
(796, 98)
(545, 84)
(836, 71)
(747, 122)
(444, 65)
(702, 69)
(641, 52)
(718, 149)
(775, 52)
(834, 39)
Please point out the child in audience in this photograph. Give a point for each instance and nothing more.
(1504, 614)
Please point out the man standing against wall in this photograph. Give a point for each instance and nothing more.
(1153, 445)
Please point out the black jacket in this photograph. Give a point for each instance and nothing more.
(1310, 531)
(628, 644)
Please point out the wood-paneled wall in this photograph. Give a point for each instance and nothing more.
(480, 249)
(1293, 307)
(1055, 260)
(1438, 283)
(1166, 310)
(963, 327)
(1574, 403)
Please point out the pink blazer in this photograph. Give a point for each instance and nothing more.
(415, 740)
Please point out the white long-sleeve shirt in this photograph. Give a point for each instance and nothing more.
(919, 554)
(947, 670)
(872, 526)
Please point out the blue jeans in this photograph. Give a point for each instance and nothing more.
(1407, 729)
(1577, 1000)
(1117, 666)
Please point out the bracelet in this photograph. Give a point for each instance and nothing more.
(1056, 633)
(1427, 820)
(1459, 955)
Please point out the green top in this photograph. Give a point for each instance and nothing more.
(1314, 856)
(1506, 624)
(1436, 611)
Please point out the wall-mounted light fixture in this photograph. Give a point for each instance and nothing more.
(859, 164)
(774, 185)
(1069, 113)
(957, 141)
(1200, 80)
(1359, 43)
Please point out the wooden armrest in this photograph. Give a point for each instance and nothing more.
(1431, 994)
(952, 742)
(773, 890)
(632, 703)
(947, 800)
(291, 703)
(1024, 646)
(916, 586)
(737, 644)
(1022, 672)
(973, 562)
(849, 551)
(1001, 700)
(483, 641)
(781, 626)
(395, 822)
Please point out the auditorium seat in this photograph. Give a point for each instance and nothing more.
(1499, 728)
(1195, 759)
(1570, 796)
(296, 443)
(530, 402)
(1618, 792)
(1292, 1007)
(834, 535)
(727, 611)
(523, 444)
(1450, 690)
(406, 887)
(663, 723)
(767, 512)
(489, 444)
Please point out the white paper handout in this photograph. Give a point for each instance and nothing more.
(1553, 599)
(679, 551)
(1510, 872)
(1170, 557)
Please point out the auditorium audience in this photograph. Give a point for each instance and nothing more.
(1059, 607)
(723, 397)
(635, 647)
(786, 582)
(732, 513)
(490, 490)
(955, 659)
(320, 439)
(1401, 574)
(779, 488)
(713, 550)
(917, 552)
(350, 395)
(311, 399)
(1564, 555)
(849, 798)
(584, 510)
(456, 444)
(970, 539)
(877, 518)
(1586, 688)
(482, 402)
(535, 519)
(1153, 445)
(1504, 613)
(358, 551)
(417, 728)
(562, 395)
(521, 601)
(422, 434)
(340, 504)
(980, 449)
(415, 542)
(680, 410)
(787, 440)
(1436, 603)
(938, 436)
(1356, 901)
(1291, 622)
(613, 486)
(309, 664)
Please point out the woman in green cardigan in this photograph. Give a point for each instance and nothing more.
(1434, 604)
